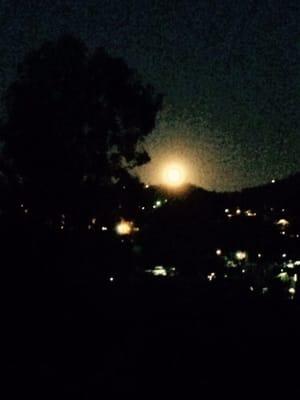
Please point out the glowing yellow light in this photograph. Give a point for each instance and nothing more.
(283, 276)
(282, 222)
(218, 252)
(250, 213)
(211, 276)
(174, 175)
(240, 255)
(159, 270)
(124, 228)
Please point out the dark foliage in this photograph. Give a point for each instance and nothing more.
(75, 121)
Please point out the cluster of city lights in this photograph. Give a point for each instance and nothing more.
(288, 273)
(239, 212)
(160, 270)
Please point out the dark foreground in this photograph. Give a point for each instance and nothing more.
(152, 339)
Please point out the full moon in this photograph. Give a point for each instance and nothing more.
(174, 175)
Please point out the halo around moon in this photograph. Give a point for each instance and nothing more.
(174, 175)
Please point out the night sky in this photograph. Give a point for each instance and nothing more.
(229, 69)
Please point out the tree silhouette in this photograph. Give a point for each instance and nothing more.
(75, 121)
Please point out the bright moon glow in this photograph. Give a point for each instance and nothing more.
(174, 175)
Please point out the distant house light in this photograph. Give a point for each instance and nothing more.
(211, 276)
(240, 255)
(250, 213)
(124, 227)
(103, 228)
(282, 222)
(273, 180)
(159, 270)
(218, 252)
(283, 276)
